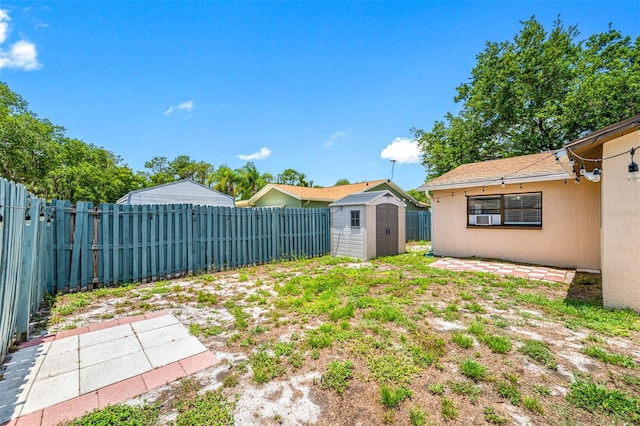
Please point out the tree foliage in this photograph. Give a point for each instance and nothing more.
(38, 154)
(534, 93)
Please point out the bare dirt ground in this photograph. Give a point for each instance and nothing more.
(238, 314)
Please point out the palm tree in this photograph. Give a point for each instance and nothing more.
(224, 179)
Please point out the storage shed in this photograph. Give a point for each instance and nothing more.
(367, 225)
(180, 192)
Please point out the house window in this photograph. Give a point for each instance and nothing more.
(355, 218)
(505, 210)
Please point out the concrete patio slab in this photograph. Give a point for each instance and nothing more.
(539, 273)
(57, 378)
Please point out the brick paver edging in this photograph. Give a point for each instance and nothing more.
(117, 392)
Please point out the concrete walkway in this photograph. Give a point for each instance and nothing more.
(60, 377)
(500, 268)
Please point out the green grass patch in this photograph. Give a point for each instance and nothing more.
(337, 376)
(210, 408)
(266, 366)
(392, 397)
(497, 344)
(466, 388)
(119, 415)
(532, 404)
(491, 417)
(462, 340)
(473, 369)
(608, 357)
(207, 298)
(594, 397)
(539, 351)
(449, 409)
(393, 368)
(417, 416)
(436, 388)
(510, 391)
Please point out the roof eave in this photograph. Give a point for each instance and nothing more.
(494, 182)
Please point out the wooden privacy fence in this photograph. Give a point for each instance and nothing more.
(24, 266)
(114, 243)
(418, 226)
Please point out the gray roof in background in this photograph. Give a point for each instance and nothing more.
(180, 192)
(361, 198)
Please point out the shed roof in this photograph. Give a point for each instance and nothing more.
(524, 168)
(365, 198)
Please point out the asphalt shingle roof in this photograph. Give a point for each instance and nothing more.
(331, 193)
(542, 166)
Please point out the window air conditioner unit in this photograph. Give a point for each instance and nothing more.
(483, 219)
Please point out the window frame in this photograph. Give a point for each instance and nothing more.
(354, 217)
(502, 210)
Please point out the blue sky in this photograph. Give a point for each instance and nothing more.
(330, 89)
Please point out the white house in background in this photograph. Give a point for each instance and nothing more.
(180, 192)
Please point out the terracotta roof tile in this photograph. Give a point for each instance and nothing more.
(543, 165)
(331, 193)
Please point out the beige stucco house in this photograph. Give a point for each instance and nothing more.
(530, 209)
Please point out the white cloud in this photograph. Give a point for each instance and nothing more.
(182, 106)
(22, 55)
(260, 155)
(340, 134)
(402, 150)
(4, 25)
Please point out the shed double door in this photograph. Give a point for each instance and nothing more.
(386, 230)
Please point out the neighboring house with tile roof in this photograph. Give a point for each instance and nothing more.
(278, 195)
(528, 209)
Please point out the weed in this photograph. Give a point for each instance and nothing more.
(595, 397)
(490, 416)
(477, 328)
(391, 398)
(532, 404)
(436, 388)
(417, 416)
(242, 277)
(631, 381)
(212, 407)
(541, 390)
(466, 296)
(393, 368)
(315, 354)
(609, 357)
(462, 340)
(337, 376)
(265, 366)
(240, 317)
(467, 388)
(344, 312)
(230, 381)
(509, 390)
(473, 369)
(475, 308)
(451, 312)
(539, 351)
(449, 410)
(497, 344)
(119, 414)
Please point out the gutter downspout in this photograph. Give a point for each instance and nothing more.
(430, 220)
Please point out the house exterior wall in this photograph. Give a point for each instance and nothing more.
(620, 226)
(276, 198)
(569, 236)
(345, 240)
